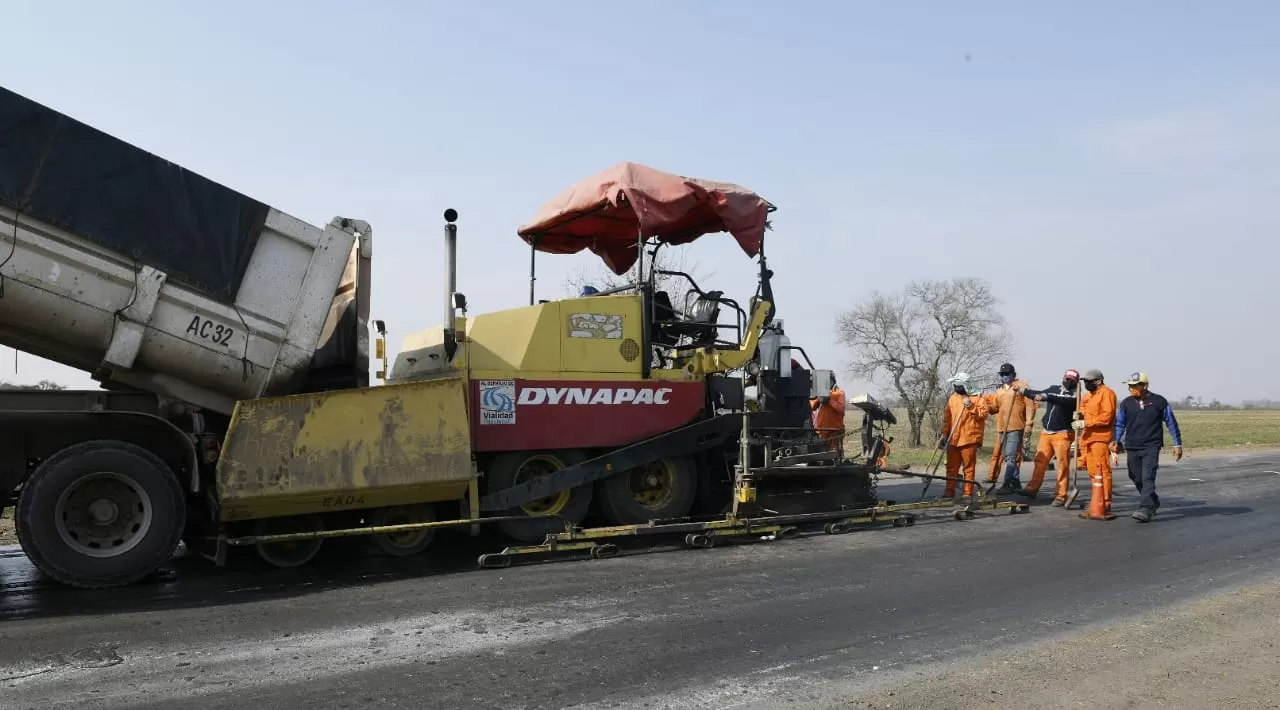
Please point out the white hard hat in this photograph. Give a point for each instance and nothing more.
(960, 378)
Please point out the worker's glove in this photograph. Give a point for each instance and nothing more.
(1078, 425)
(1022, 390)
(1177, 453)
(942, 442)
(1039, 398)
(1077, 416)
(968, 402)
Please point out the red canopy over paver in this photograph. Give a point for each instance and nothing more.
(609, 211)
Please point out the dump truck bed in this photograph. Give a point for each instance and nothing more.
(125, 265)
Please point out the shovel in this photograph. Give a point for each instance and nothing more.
(1075, 455)
(1075, 476)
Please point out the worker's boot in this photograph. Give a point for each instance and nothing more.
(1029, 495)
(1144, 515)
(1058, 502)
(1008, 488)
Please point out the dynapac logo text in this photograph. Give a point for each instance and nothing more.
(593, 395)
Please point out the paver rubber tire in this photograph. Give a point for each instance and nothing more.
(502, 473)
(293, 553)
(407, 543)
(130, 465)
(621, 499)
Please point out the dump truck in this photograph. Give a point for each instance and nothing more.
(181, 297)
(231, 341)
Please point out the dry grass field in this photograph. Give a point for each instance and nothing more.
(1201, 429)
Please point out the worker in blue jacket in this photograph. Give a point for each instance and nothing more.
(1140, 422)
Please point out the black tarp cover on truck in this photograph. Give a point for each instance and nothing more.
(58, 170)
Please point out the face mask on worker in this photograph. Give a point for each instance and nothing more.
(959, 388)
(1092, 385)
(1069, 385)
(1006, 379)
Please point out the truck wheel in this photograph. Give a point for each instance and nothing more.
(101, 514)
(510, 469)
(660, 490)
(409, 542)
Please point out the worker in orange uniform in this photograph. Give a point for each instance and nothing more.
(1056, 437)
(1095, 427)
(1015, 416)
(828, 416)
(964, 424)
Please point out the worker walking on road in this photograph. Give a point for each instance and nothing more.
(828, 416)
(1094, 426)
(964, 424)
(1140, 424)
(1015, 416)
(1056, 437)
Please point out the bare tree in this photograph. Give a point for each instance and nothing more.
(915, 339)
(667, 260)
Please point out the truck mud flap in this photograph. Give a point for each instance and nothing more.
(691, 439)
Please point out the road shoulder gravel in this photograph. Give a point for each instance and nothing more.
(1217, 652)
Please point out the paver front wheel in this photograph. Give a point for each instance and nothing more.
(408, 542)
(513, 468)
(289, 553)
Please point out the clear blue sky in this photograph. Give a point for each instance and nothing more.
(1112, 168)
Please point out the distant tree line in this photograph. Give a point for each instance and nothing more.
(1188, 402)
(41, 385)
(1260, 404)
(1214, 405)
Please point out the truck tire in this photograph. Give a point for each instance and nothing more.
(101, 514)
(509, 469)
(661, 490)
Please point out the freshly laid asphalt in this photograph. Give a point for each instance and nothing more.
(762, 624)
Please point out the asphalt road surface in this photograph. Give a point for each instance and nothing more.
(765, 625)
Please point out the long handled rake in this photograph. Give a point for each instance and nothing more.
(997, 456)
(941, 455)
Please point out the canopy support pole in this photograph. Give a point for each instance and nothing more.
(646, 309)
(533, 265)
(639, 256)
